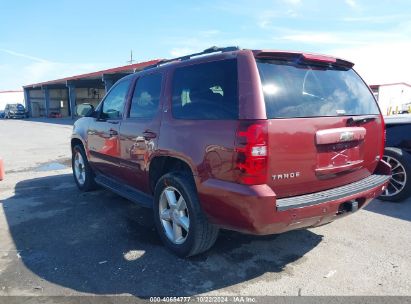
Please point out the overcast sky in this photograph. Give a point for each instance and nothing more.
(42, 40)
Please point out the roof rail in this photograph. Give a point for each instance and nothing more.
(213, 49)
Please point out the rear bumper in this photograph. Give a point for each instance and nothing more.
(255, 209)
(372, 181)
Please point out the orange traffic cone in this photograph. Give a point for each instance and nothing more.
(1, 169)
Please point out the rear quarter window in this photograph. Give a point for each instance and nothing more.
(206, 91)
(146, 97)
(294, 90)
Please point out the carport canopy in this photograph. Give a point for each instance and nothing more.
(58, 98)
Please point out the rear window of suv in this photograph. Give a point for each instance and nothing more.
(206, 91)
(296, 90)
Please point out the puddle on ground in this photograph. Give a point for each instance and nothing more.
(50, 167)
(58, 164)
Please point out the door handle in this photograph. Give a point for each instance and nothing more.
(149, 135)
(113, 132)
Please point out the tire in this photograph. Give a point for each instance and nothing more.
(195, 234)
(399, 187)
(82, 172)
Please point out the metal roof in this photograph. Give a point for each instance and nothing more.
(12, 91)
(374, 86)
(131, 68)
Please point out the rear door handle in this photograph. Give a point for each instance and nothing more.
(113, 132)
(149, 135)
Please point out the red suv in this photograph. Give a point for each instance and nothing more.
(255, 141)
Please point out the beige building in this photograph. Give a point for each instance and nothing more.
(393, 98)
(59, 97)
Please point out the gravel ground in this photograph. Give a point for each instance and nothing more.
(55, 240)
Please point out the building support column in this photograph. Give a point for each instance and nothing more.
(46, 101)
(72, 99)
(27, 101)
(108, 81)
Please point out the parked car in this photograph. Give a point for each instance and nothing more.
(397, 154)
(55, 115)
(15, 110)
(254, 141)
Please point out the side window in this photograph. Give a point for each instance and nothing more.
(146, 97)
(113, 104)
(206, 91)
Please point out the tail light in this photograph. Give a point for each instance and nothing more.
(384, 137)
(252, 152)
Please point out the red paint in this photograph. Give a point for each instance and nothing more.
(318, 58)
(310, 146)
(384, 136)
(103, 146)
(252, 209)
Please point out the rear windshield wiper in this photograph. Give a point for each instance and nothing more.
(352, 121)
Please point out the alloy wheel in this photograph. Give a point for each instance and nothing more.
(174, 215)
(398, 178)
(79, 168)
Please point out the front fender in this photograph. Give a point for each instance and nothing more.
(80, 129)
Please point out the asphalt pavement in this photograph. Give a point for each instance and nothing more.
(55, 240)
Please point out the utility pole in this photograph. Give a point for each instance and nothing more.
(131, 58)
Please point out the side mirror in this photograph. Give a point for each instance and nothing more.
(84, 109)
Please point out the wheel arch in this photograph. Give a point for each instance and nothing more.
(163, 164)
(76, 140)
